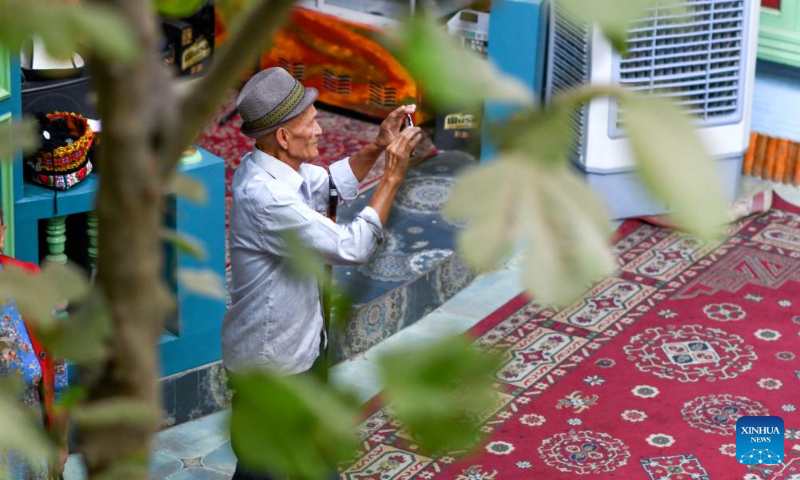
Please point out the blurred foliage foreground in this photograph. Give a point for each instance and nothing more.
(528, 200)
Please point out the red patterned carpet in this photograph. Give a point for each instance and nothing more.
(643, 378)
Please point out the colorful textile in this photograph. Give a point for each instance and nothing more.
(58, 165)
(17, 355)
(643, 377)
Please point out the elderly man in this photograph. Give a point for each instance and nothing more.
(275, 317)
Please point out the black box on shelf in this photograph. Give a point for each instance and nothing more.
(74, 95)
(190, 41)
(459, 131)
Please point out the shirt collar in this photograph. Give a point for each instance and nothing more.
(277, 169)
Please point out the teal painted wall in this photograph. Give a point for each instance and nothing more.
(517, 41)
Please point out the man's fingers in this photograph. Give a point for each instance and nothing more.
(402, 139)
(395, 119)
(412, 144)
(403, 110)
(405, 137)
(410, 132)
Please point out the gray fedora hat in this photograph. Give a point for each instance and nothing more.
(271, 98)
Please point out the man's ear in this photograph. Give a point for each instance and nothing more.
(282, 136)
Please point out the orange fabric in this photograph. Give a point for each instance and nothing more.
(747, 167)
(769, 160)
(772, 158)
(760, 154)
(780, 160)
(791, 162)
(796, 179)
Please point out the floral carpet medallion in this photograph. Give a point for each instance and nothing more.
(644, 377)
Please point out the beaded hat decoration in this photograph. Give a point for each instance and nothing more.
(63, 160)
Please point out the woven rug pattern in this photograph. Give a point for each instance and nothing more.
(644, 377)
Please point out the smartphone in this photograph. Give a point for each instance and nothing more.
(408, 122)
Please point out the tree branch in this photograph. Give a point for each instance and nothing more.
(258, 25)
(575, 97)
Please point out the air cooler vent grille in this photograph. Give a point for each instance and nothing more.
(570, 67)
(695, 56)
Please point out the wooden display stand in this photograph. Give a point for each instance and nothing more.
(193, 338)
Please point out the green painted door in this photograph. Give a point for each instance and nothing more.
(9, 108)
(779, 34)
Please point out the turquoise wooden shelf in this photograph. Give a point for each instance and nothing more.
(194, 338)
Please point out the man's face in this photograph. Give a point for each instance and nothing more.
(303, 133)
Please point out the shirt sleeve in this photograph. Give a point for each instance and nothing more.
(350, 244)
(345, 180)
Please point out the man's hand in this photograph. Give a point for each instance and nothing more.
(390, 127)
(399, 153)
(397, 157)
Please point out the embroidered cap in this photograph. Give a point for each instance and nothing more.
(57, 165)
(270, 99)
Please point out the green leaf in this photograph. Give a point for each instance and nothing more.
(68, 27)
(188, 187)
(435, 58)
(33, 293)
(185, 244)
(567, 230)
(19, 430)
(115, 411)
(440, 392)
(68, 279)
(107, 31)
(673, 163)
(543, 135)
(178, 8)
(341, 309)
(74, 396)
(312, 427)
(82, 337)
(303, 261)
(519, 199)
(15, 136)
(612, 16)
(491, 212)
(231, 12)
(204, 282)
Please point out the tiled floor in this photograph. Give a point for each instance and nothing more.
(201, 449)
